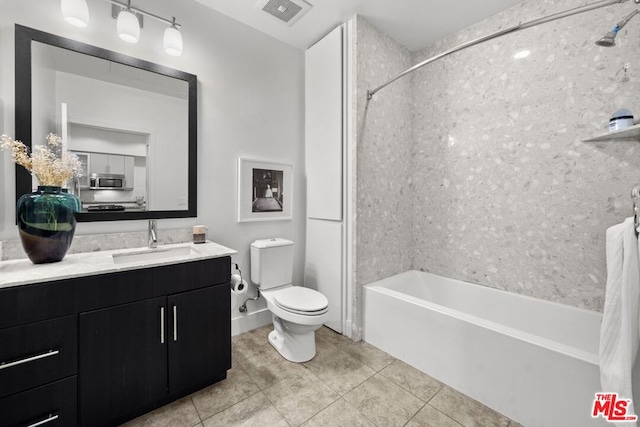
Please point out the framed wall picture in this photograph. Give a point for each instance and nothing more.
(264, 190)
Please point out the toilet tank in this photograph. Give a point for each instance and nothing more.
(271, 262)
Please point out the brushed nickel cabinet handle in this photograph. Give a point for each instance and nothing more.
(161, 325)
(48, 420)
(49, 353)
(175, 323)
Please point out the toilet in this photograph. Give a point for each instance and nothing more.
(297, 311)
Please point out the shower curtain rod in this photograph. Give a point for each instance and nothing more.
(535, 22)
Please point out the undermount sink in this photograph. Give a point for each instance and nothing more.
(155, 254)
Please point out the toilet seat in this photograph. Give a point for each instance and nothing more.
(302, 301)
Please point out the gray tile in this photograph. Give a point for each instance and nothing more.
(213, 399)
(340, 371)
(269, 368)
(339, 414)
(180, 413)
(325, 345)
(332, 337)
(251, 344)
(255, 411)
(383, 402)
(413, 380)
(371, 356)
(515, 424)
(431, 417)
(465, 410)
(300, 397)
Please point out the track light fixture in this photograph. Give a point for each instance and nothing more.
(172, 40)
(129, 22)
(75, 12)
(128, 25)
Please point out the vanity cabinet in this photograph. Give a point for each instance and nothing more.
(103, 349)
(123, 362)
(134, 355)
(195, 349)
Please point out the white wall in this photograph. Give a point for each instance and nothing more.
(44, 113)
(250, 103)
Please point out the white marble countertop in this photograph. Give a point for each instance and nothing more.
(22, 271)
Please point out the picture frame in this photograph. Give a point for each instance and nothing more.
(264, 190)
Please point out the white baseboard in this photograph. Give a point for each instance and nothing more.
(250, 321)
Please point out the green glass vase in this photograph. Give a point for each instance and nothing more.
(47, 222)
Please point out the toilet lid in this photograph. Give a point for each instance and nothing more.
(298, 299)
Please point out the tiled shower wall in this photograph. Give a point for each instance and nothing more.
(506, 193)
(502, 190)
(383, 172)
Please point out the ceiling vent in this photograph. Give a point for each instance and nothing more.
(286, 11)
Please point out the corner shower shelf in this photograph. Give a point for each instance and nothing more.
(632, 132)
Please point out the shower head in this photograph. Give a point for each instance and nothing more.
(609, 39)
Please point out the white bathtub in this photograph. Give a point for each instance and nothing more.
(532, 360)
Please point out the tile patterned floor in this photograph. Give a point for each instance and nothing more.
(346, 384)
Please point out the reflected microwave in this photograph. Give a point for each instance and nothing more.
(106, 181)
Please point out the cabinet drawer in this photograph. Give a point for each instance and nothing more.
(51, 405)
(20, 305)
(24, 304)
(37, 353)
(116, 288)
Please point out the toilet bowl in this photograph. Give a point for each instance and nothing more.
(297, 311)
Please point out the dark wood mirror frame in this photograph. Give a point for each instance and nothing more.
(23, 38)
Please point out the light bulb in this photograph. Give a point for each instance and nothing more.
(172, 41)
(128, 27)
(75, 12)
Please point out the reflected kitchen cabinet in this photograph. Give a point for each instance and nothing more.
(128, 171)
(83, 181)
(108, 163)
(99, 163)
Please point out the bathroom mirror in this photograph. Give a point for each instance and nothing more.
(132, 123)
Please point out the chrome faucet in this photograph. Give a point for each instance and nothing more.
(153, 233)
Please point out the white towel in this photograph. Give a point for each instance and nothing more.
(619, 332)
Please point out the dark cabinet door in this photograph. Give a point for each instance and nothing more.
(123, 361)
(199, 338)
